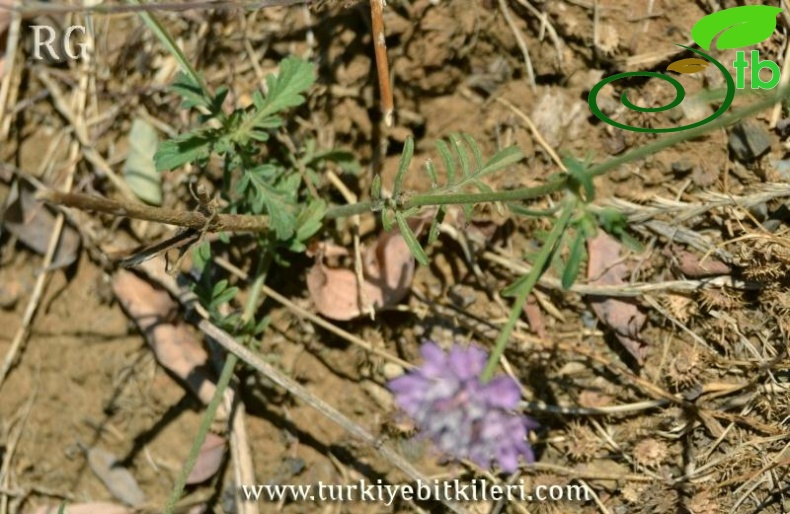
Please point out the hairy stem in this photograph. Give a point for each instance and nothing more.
(523, 286)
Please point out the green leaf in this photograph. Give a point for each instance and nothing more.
(449, 162)
(219, 287)
(375, 188)
(62, 507)
(170, 45)
(346, 160)
(533, 213)
(189, 90)
(185, 148)
(579, 178)
(528, 281)
(478, 155)
(224, 297)
(310, 219)
(463, 157)
(411, 239)
(386, 220)
(201, 255)
(403, 165)
(433, 232)
(139, 170)
(739, 26)
(430, 169)
(284, 90)
(255, 184)
(575, 258)
(631, 242)
(502, 159)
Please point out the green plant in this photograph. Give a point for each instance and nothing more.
(259, 179)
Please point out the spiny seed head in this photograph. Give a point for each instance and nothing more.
(632, 492)
(650, 453)
(686, 367)
(463, 416)
(703, 503)
(681, 307)
(582, 444)
(719, 298)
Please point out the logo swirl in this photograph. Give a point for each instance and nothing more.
(680, 94)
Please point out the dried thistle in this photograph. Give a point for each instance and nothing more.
(679, 306)
(656, 498)
(705, 502)
(686, 367)
(632, 492)
(719, 298)
(650, 453)
(582, 444)
(777, 300)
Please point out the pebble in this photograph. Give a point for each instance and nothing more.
(462, 295)
(10, 292)
(749, 140)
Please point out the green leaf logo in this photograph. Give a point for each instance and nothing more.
(738, 26)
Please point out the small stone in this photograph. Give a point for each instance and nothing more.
(462, 296)
(391, 370)
(10, 291)
(782, 168)
(682, 167)
(749, 140)
(759, 211)
(772, 225)
(783, 127)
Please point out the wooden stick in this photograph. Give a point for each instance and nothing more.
(382, 65)
(191, 219)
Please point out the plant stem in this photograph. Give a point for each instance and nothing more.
(168, 42)
(524, 285)
(426, 199)
(250, 305)
(205, 425)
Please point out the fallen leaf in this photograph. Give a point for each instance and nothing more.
(605, 267)
(32, 223)
(388, 270)
(83, 508)
(139, 170)
(209, 459)
(117, 479)
(175, 346)
(693, 267)
(535, 317)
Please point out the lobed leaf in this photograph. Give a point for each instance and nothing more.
(189, 147)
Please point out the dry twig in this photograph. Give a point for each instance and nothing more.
(382, 65)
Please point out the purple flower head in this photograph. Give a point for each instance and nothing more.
(465, 418)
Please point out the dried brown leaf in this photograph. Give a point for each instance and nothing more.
(209, 459)
(693, 267)
(605, 267)
(388, 270)
(535, 317)
(117, 479)
(175, 346)
(32, 223)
